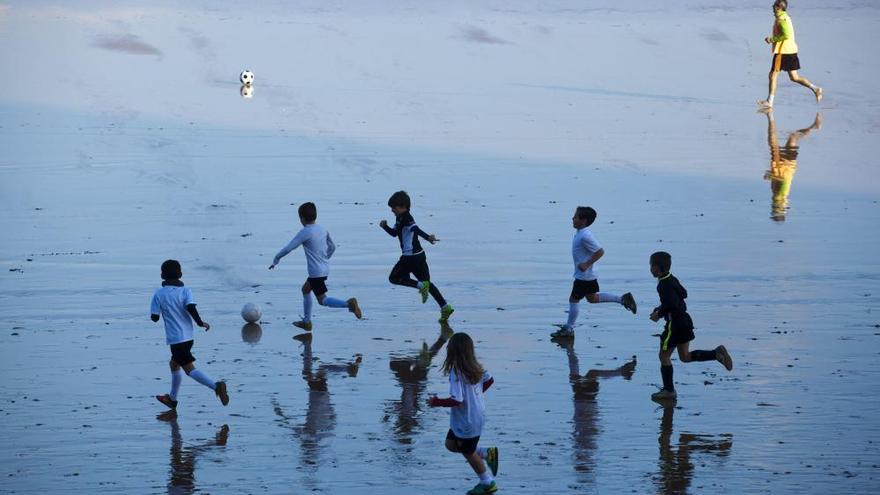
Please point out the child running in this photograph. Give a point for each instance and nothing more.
(174, 303)
(467, 383)
(679, 330)
(413, 259)
(318, 247)
(586, 251)
(785, 54)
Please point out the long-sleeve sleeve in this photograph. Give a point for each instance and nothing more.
(393, 232)
(331, 246)
(419, 232)
(782, 30)
(293, 244)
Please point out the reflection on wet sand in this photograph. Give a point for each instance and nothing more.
(676, 468)
(783, 164)
(585, 420)
(412, 374)
(181, 479)
(320, 420)
(251, 333)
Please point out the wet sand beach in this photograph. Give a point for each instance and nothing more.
(126, 142)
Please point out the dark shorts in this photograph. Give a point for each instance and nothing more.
(416, 264)
(466, 446)
(785, 62)
(675, 333)
(317, 284)
(180, 353)
(583, 287)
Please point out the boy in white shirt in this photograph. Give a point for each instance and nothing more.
(174, 303)
(586, 251)
(319, 247)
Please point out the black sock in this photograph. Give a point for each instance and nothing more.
(435, 293)
(703, 356)
(666, 373)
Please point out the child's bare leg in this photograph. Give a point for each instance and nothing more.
(684, 353)
(771, 89)
(174, 367)
(476, 463)
(665, 357)
(803, 81)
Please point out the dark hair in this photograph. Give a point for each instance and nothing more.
(400, 198)
(308, 212)
(586, 213)
(662, 260)
(461, 358)
(171, 270)
(781, 5)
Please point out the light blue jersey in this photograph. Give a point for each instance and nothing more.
(170, 303)
(318, 246)
(583, 247)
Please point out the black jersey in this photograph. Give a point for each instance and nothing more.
(672, 305)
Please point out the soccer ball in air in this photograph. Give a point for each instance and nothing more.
(246, 77)
(251, 312)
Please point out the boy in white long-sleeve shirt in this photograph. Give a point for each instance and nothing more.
(319, 247)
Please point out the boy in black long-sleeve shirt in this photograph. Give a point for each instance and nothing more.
(679, 329)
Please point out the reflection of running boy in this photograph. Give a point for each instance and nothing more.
(679, 329)
(318, 247)
(586, 251)
(413, 259)
(785, 54)
(783, 164)
(174, 303)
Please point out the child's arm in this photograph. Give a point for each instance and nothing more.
(488, 383)
(594, 258)
(331, 246)
(155, 309)
(194, 313)
(293, 244)
(392, 232)
(434, 401)
(421, 233)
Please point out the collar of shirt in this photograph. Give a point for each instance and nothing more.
(175, 283)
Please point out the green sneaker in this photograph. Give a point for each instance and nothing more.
(492, 460)
(445, 313)
(480, 489)
(424, 290)
(305, 325)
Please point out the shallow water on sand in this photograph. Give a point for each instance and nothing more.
(98, 189)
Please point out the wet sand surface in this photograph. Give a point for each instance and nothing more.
(130, 144)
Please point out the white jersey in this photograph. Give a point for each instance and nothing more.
(318, 246)
(466, 420)
(170, 303)
(583, 247)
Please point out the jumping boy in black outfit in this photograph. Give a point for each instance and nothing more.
(679, 330)
(412, 260)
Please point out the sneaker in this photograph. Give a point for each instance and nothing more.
(564, 332)
(480, 489)
(354, 308)
(167, 400)
(305, 325)
(492, 460)
(629, 302)
(723, 357)
(818, 93)
(220, 391)
(445, 313)
(424, 290)
(664, 395)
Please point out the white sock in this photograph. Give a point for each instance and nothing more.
(202, 378)
(483, 452)
(572, 314)
(486, 477)
(334, 303)
(606, 297)
(770, 99)
(307, 307)
(176, 379)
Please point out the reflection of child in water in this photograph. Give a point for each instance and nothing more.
(676, 468)
(783, 164)
(181, 478)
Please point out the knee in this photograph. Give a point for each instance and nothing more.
(592, 298)
(173, 365)
(321, 299)
(684, 357)
(793, 77)
(450, 445)
(664, 357)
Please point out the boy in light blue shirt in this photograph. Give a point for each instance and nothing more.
(174, 303)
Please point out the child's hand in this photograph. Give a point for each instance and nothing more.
(383, 224)
(432, 239)
(432, 401)
(767, 40)
(583, 266)
(655, 316)
(205, 326)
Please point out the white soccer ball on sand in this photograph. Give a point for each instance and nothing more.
(251, 312)
(246, 91)
(246, 77)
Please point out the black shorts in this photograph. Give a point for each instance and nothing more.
(180, 353)
(785, 62)
(416, 264)
(466, 446)
(581, 288)
(676, 333)
(317, 284)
